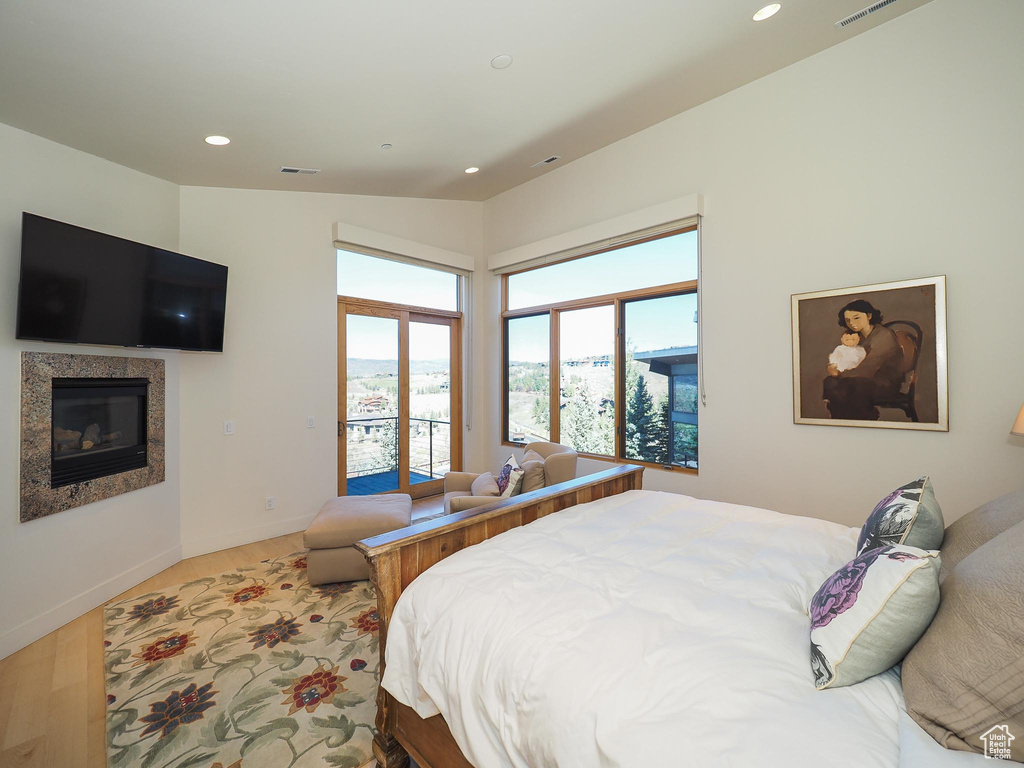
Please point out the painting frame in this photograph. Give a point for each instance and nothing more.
(807, 386)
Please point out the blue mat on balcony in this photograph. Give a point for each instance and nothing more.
(380, 483)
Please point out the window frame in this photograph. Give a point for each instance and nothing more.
(619, 300)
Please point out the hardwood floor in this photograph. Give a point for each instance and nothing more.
(52, 699)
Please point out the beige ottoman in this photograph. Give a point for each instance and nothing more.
(341, 523)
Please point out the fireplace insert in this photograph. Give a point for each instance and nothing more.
(98, 428)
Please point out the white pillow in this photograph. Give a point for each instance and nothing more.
(869, 613)
(509, 478)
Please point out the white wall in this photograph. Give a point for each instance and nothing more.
(280, 352)
(894, 155)
(279, 365)
(61, 566)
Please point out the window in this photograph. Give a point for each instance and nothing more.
(586, 346)
(661, 380)
(528, 380)
(370, 277)
(616, 325)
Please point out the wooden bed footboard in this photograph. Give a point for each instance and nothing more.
(398, 557)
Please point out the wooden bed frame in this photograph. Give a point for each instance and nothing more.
(398, 557)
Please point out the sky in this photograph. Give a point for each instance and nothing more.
(376, 338)
(656, 262)
(369, 277)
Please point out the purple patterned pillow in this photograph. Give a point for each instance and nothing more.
(840, 590)
(909, 515)
(509, 478)
(870, 612)
(503, 477)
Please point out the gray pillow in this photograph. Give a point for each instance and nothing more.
(484, 485)
(533, 466)
(965, 677)
(870, 612)
(965, 535)
(909, 515)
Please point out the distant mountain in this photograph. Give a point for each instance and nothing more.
(362, 367)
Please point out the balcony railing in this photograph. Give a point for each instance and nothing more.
(372, 446)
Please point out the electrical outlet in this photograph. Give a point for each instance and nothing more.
(310, 422)
(229, 427)
(271, 502)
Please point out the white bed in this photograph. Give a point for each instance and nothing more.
(643, 629)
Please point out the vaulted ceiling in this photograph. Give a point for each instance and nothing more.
(324, 83)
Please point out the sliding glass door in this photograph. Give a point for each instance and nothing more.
(430, 400)
(371, 404)
(399, 398)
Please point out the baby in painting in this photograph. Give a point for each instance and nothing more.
(849, 354)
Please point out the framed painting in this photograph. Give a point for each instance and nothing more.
(872, 356)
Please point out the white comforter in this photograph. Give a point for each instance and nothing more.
(643, 629)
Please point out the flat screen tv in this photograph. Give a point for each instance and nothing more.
(85, 287)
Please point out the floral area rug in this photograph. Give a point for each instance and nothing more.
(251, 669)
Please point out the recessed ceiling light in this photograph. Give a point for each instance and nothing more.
(502, 61)
(218, 141)
(385, 146)
(767, 12)
(474, 169)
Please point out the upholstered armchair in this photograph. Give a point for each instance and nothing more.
(559, 462)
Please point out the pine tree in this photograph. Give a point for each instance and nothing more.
(578, 421)
(660, 448)
(640, 419)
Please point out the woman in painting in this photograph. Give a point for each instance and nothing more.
(851, 394)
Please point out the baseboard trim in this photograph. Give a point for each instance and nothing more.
(228, 539)
(39, 626)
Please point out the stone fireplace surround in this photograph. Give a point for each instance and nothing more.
(38, 369)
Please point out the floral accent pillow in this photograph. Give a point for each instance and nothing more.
(509, 478)
(909, 515)
(869, 613)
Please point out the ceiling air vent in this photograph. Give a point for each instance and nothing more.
(546, 161)
(862, 13)
(307, 171)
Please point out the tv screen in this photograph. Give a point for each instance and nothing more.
(85, 287)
